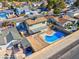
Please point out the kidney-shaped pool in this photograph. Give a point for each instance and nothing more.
(54, 37)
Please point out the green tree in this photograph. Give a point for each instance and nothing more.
(56, 3)
(57, 11)
(62, 4)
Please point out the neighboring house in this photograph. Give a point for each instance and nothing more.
(36, 25)
(9, 37)
(70, 2)
(18, 11)
(31, 12)
(10, 13)
(24, 9)
(34, 12)
(73, 13)
(27, 12)
(3, 15)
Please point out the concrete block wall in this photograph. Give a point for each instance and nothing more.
(71, 54)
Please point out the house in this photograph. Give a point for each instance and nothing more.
(10, 37)
(10, 40)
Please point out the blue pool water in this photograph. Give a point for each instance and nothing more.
(54, 37)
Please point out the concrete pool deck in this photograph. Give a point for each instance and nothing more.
(57, 49)
(36, 42)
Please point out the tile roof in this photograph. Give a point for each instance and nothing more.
(8, 11)
(62, 19)
(38, 20)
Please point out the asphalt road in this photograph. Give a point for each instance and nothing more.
(22, 18)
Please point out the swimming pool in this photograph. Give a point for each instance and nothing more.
(54, 37)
